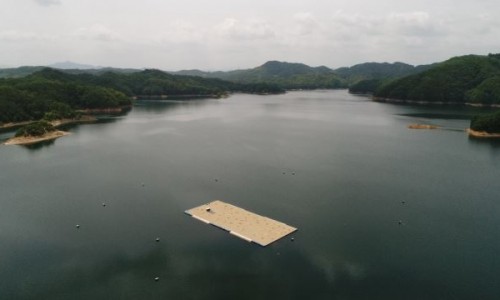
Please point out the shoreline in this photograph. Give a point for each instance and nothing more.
(422, 126)
(108, 110)
(55, 123)
(399, 101)
(28, 140)
(82, 119)
(15, 124)
(482, 134)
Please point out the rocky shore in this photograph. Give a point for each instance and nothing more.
(482, 134)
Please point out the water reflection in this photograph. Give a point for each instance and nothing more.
(162, 106)
(39, 145)
(76, 273)
(493, 145)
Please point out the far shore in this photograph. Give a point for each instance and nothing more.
(399, 101)
(82, 119)
(482, 134)
(28, 140)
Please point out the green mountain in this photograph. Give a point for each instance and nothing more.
(286, 75)
(464, 79)
(283, 74)
(300, 76)
(367, 77)
(374, 70)
(71, 65)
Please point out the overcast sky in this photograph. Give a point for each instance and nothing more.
(230, 34)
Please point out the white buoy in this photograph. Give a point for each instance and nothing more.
(157, 239)
(157, 278)
(103, 204)
(292, 239)
(77, 226)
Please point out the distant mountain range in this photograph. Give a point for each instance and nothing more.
(301, 76)
(284, 74)
(470, 78)
(72, 65)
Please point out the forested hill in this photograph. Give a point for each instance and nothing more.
(284, 74)
(53, 94)
(367, 77)
(373, 70)
(465, 79)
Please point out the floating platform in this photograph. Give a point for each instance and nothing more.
(242, 223)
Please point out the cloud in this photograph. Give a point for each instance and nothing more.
(420, 24)
(23, 36)
(97, 32)
(48, 2)
(306, 23)
(245, 30)
(415, 24)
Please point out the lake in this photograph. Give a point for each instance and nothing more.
(383, 211)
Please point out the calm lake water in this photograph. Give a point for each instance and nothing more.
(383, 212)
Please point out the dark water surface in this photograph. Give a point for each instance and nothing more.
(354, 161)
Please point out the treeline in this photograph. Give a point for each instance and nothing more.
(466, 79)
(156, 82)
(36, 129)
(50, 94)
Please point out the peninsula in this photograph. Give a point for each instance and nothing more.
(28, 140)
(34, 133)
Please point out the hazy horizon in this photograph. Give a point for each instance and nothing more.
(224, 35)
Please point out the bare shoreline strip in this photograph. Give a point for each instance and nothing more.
(422, 126)
(417, 102)
(55, 123)
(14, 124)
(28, 140)
(482, 134)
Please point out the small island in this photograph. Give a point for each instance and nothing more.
(485, 126)
(34, 133)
